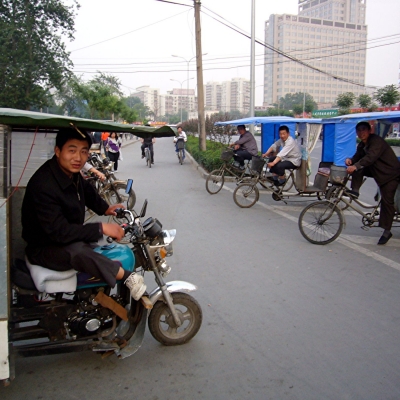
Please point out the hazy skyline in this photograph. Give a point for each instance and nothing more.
(135, 41)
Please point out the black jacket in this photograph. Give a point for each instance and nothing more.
(380, 159)
(53, 209)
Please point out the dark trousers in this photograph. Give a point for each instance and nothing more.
(279, 168)
(387, 190)
(114, 157)
(78, 256)
(241, 155)
(150, 146)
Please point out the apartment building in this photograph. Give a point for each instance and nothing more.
(228, 96)
(329, 35)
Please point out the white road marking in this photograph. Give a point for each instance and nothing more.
(347, 240)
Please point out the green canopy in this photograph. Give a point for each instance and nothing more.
(33, 120)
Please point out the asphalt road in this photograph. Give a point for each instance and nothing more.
(283, 319)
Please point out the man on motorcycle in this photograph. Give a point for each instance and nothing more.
(148, 142)
(53, 213)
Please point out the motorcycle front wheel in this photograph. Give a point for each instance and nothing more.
(162, 325)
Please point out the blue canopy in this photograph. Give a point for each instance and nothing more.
(268, 120)
(386, 117)
(270, 126)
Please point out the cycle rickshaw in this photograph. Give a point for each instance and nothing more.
(307, 132)
(322, 222)
(27, 141)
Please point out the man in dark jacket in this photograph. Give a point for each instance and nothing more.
(376, 159)
(53, 213)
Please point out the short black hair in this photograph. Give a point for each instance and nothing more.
(364, 124)
(241, 127)
(65, 134)
(284, 128)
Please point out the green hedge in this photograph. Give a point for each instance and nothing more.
(209, 159)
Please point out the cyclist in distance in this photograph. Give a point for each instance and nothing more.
(148, 142)
(181, 135)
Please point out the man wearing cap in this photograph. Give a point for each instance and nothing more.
(376, 159)
(53, 214)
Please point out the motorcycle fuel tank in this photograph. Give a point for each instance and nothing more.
(118, 252)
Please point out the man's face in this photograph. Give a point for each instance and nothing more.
(241, 131)
(363, 133)
(283, 135)
(73, 156)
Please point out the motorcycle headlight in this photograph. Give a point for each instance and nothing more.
(164, 268)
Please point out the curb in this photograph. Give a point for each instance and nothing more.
(204, 174)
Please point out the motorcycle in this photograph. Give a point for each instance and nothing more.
(58, 312)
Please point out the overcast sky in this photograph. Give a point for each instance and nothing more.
(135, 40)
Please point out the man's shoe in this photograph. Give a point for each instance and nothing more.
(385, 239)
(236, 164)
(142, 156)
(352, 193)
(135, 283)
(152, 162)
(277, 183)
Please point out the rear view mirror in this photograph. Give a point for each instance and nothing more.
(129, 183)
(143, 211)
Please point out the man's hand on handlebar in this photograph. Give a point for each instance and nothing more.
(348, 162)
(111, 209)
(113, 230)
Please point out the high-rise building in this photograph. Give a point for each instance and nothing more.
(228, 96)
(329, 35)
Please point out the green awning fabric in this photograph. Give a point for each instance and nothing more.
(32, 120)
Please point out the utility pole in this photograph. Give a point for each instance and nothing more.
(200, 86)
(252, 64)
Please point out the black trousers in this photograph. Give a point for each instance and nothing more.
(114, 157)
(387, 190)
(78, 256)
(150, 146)
(241, 155)
(279, 168)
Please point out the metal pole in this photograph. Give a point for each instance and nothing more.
(252, 66)
(180, 97)
(200, 86)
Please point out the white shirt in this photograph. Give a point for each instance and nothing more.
(180, 136)
(290, 151)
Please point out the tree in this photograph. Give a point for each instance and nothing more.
(388, 95)
(364, 100)
(294, 102)
(345, 100)
(33, 58)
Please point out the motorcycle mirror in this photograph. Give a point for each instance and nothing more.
(143, 211)
(128, 186)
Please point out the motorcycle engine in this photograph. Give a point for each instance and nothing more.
(90, 317)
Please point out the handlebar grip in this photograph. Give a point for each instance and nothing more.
(109, 239)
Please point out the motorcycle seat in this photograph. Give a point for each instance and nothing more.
(49, 281)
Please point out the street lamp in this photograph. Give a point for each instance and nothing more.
(181, 83)
(188, 62)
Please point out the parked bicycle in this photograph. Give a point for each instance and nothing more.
(322, 222)
(216, 178)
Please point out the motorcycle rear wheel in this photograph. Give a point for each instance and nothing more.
(162, 325)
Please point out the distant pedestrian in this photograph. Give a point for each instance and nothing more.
(113, 146)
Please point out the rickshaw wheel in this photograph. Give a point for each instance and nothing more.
(332, 193)
(246, 195)
(321, 222)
